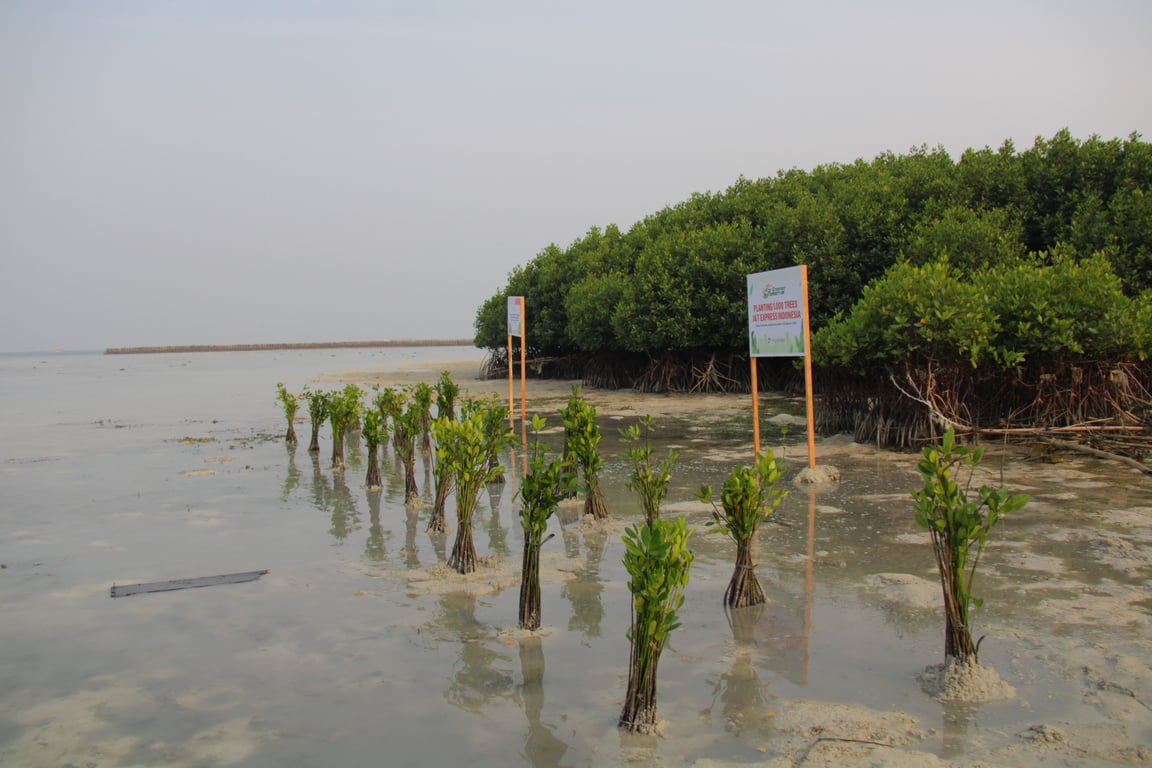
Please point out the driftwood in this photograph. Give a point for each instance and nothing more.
(1070, 446)
(168, 586)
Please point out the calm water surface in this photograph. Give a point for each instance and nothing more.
(120, 469)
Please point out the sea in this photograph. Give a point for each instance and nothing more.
(350, 650)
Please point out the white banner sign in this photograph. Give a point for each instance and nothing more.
(515, 315)
(776, 313)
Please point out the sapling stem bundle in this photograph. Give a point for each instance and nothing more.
(659, 564)
(749, 495)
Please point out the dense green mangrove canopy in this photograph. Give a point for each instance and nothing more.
(1010, 263)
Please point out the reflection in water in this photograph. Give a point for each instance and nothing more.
(345, 517)
(569, 517)
(541, 746)
(374, 548)
(392, 472)
(439, 545)
(788, 622)
(332, 496)
(809, 579)
(585, 593)
(474, 680)
(354, 449)
(411, 550)
(957, 718)
(497, 534)
(428, 486)
(743, 702)
(292, 478)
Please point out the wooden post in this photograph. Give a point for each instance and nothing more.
(523, 365)
(755, 409)
(808, 372)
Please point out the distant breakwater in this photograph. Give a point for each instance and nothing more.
(301, 345)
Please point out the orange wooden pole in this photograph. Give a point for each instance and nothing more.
(511, 395)
(808, 372)
(523, 365)
(755, 409)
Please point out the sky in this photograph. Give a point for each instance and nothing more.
(255, 171)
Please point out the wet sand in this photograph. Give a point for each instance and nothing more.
(1113, 681)
(357, 649)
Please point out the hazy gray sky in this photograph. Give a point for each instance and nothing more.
(215, 171)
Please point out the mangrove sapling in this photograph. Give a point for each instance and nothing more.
(959, 528)
(446, 393)
(461, 445)
(405, 428)
(650, 482)
(567, 412)
(497, 436)
(339, 414)
(390, 403)
(659, 564)
(749, 496)
(291, 404)
(584, 447)
(442, 476)
(543, 487)
(354, 395)
(422, 395)
(317, 414)
(373, 434)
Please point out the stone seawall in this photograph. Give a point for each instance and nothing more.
(301, 345)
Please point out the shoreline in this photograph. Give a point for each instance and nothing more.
(297, 345)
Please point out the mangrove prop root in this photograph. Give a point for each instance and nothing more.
(743, 588)
(594, 502)
(530, 587)
(463, 559)
(436, 522)
(639, 712)
(1102, 403)
(372, 479)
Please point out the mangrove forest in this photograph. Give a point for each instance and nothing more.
(1006, 293)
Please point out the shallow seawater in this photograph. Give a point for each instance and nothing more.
(128, 469)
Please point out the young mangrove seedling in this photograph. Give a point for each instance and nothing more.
(583, 437)
(566, 413)
(317, 415)
(650, 482)
(543, 487)
(354, 395)
(373, 436)
(422, 396)
(461, 446)
(497, 436)
(749, 495)
(659, 564)
(405, 429)
(390, 403)
(959, 527)
(442, 477)
(446, 393)
(290, 403)
(341, 410)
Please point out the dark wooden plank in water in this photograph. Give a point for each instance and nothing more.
(125, 590)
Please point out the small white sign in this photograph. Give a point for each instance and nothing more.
(776, 313)
(515, 315)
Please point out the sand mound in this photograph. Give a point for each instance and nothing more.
(904, 590)
(964, 681)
